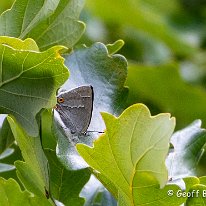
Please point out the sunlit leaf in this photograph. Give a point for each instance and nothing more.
(115, 47)
(11, 194)
(134, 145)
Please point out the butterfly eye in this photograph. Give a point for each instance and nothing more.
(60, 100)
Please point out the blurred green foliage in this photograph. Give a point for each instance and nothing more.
(156, 34)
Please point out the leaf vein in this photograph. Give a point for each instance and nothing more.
(16, 113)
(23, 95)
(1, 69)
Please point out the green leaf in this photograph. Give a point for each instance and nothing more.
(24, 15)
(12, 195)
(66, 185)
(142, 17)
(133, 143)
(34, 171)
(169, 195)
(203, 180)
(107, 183)
(107, 74)
(5, 4)
(198, 197)
(146, 184)
(27, 44)
(6, 167)
(147, 192)
(31, 179)
(48, 22)
(115, 47)
(196, 190)
(96, 194)
(188, 148)
(8, 157)
(6, 136)
(28, 82)
(158, 85)
(66, 151)
(48, 138)
(190, 181)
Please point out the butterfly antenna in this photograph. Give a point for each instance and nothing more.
(96, 131)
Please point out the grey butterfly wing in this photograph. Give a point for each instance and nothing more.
(76, 109)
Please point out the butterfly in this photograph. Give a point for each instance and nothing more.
(75, 108)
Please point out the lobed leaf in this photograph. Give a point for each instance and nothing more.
(48, 22)
(115, 47)
(96, 194)
(66, 185)
(33, 173)
(11, 194)
(188, 148)
(28, 81)
(133, 143)
(195, 191)
(107, 74)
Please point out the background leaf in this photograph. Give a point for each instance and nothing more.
(48, 139)
(188, 148)
(28, 83)
(133, 143)
(144, 184)
(11, 194)
(12, 154)
(115, 47)
(200, 199)
(21, 18)
(66, 185)
(96, 194)
(65, 150)
(157, 86)
(48, 22)
(6, 167)
(6, 136)
(5, 4)
(196, 189)
(142, 17)
(107, 74)
(33, 173)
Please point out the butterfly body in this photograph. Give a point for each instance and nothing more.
(75, 108)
